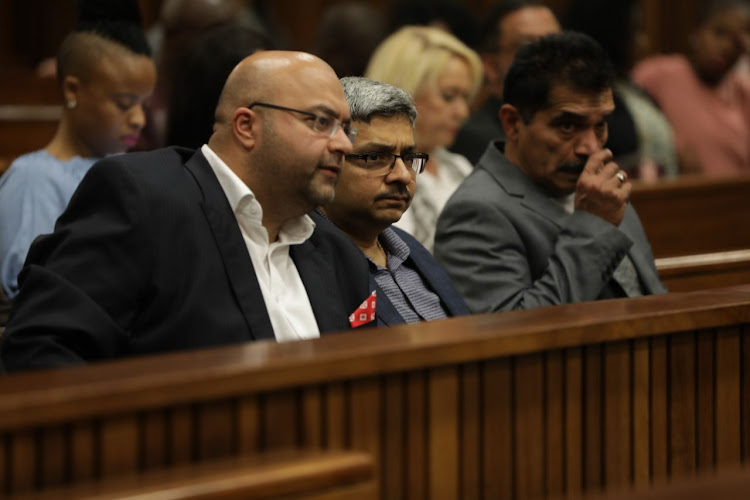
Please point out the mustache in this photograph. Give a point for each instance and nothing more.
(574, 167)
(398, 192)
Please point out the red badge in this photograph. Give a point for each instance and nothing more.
(365, 312)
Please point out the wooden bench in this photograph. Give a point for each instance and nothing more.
(25, 128)
(554, 401)
(336, 475)
(696, 229)
(732, 484)
(688, 273)
(694, 215)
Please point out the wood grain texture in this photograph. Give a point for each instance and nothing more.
(714, 207)
(641, 413)
(529, 446)
(498, 429)
(471, 436)
(443, 434)
(644, 389)
(683, 435)
(728, 418)
(618, 416)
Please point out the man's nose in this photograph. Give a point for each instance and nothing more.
(340, 142)
(588, 143)
(400, 172)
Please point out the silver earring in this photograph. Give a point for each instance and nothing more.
(71, 104)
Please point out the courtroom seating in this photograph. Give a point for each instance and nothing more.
(732, 484)
(693, 215)
(25, 128)
(696, 228)
(560, 400)
(29, 112)
(336, 475)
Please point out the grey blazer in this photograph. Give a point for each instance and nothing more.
(506, 245)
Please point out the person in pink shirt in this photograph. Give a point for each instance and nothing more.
(706, 93)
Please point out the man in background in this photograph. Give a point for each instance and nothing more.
(511, 24)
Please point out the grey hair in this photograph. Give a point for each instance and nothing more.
(368, 98)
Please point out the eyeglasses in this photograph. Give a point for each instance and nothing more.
(382, 163)
(320, 123)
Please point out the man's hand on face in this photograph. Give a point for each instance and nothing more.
(603, 189)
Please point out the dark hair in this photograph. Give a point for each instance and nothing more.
(568, 58)
(201, 73)
(347, 35)
(459, 18)
(610, 23)
(115, 20)
(708, 8)
(489, 32)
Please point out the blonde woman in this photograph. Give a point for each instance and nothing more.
(443, 75)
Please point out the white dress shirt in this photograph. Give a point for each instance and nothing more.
(284, 293)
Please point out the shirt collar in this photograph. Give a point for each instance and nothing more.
(567, 202)
(244, 204)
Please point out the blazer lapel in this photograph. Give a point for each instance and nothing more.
(516, 184)
(641, 256)
(386, 313)
(237, 263)
(316, 272)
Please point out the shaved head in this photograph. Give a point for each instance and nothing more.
(288, 148)
(266, 74)
(81, 52)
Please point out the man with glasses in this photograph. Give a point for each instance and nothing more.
(376, 187)
(176, 249)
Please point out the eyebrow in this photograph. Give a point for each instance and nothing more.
(576, 117)
(380, 147)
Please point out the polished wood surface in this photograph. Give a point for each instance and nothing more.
(552, 401)
(25, 128)
(732, 484)
(694, 215)
(704, 271)
(303, 475)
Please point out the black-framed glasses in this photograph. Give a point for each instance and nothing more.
(325, 124)
(379, 163)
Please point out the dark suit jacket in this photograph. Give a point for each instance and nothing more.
(148, 257)
(434, 277)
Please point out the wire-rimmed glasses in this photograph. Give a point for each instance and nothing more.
(325, 124)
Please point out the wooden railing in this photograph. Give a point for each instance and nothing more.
(694, 215)
(696, 229)
(300, 475)
(546, 402)
(732, 484)
(25, 128)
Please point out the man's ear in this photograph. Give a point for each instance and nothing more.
(244, 125)
(71, 86)
(510, 117)
(488, 64)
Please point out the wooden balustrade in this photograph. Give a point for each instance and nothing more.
(694, 215)
(277, 476)
(554, 401)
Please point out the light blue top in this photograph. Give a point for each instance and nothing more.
(34, 191)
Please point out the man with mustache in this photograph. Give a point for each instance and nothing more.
(376, 187)
(545, 219)
(178, 249)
